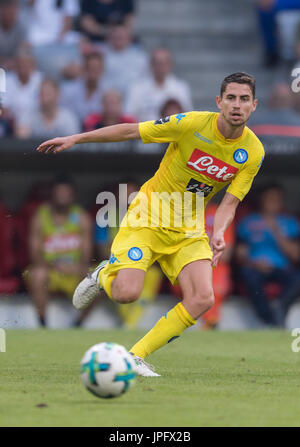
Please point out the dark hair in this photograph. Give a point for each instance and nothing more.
(240, 78)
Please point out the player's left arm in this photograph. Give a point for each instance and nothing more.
(236, 191)
(223, 218)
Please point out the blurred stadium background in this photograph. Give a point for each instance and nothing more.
(69, 68)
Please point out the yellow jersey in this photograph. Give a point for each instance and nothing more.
(199, 160)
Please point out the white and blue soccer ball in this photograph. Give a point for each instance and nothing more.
(108, 370)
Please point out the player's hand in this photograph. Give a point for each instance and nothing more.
(218, 246)
(57, 145)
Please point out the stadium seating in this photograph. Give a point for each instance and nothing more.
(206, 45)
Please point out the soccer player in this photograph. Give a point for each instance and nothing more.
(207, 152)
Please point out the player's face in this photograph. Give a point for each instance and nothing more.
(237, 104)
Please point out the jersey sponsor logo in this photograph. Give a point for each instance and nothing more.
(199, 188)
(162, 120)
(211, 166)
(240, 156)
(179, 117)
(135, 253)
(202, 138)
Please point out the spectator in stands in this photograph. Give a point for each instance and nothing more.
(22, 86)
(83, 96)
(50, 21)
(39, 193)
(171, 107)
(49, 119)
(112, 113)
(60, 244)
(146, 97)
(50, 28)
(269, 250)
(12, 33)
(278, 21)
(279, 116)
(96, 16)
(125, 62)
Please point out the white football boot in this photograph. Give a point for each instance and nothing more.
(88, 289)
(143, 368)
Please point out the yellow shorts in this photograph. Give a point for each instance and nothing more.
(141, 247)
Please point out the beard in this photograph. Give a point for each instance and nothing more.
(238, 123)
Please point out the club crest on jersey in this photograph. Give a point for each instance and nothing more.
(162, 120)
(135, 253)
(198, 187)
(240, 156)
(210, 166)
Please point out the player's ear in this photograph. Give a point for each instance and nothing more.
(218, 101)
(255, 102)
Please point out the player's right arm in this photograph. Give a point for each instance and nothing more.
(109, 134)
(164, 130)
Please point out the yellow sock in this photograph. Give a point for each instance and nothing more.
(105, 281)
(167, 329)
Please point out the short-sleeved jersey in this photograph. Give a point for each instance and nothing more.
(199, 159)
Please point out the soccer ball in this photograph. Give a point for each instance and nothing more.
(107, 370)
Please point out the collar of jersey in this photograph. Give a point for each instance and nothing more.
(221, 137)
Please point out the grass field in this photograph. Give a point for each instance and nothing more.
(208, 379)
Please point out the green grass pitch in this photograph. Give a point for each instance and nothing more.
(208, 379)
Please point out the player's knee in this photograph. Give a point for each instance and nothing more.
(126, 293)
(205, 299)
(208, 299)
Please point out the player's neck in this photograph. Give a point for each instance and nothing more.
(227, 130)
